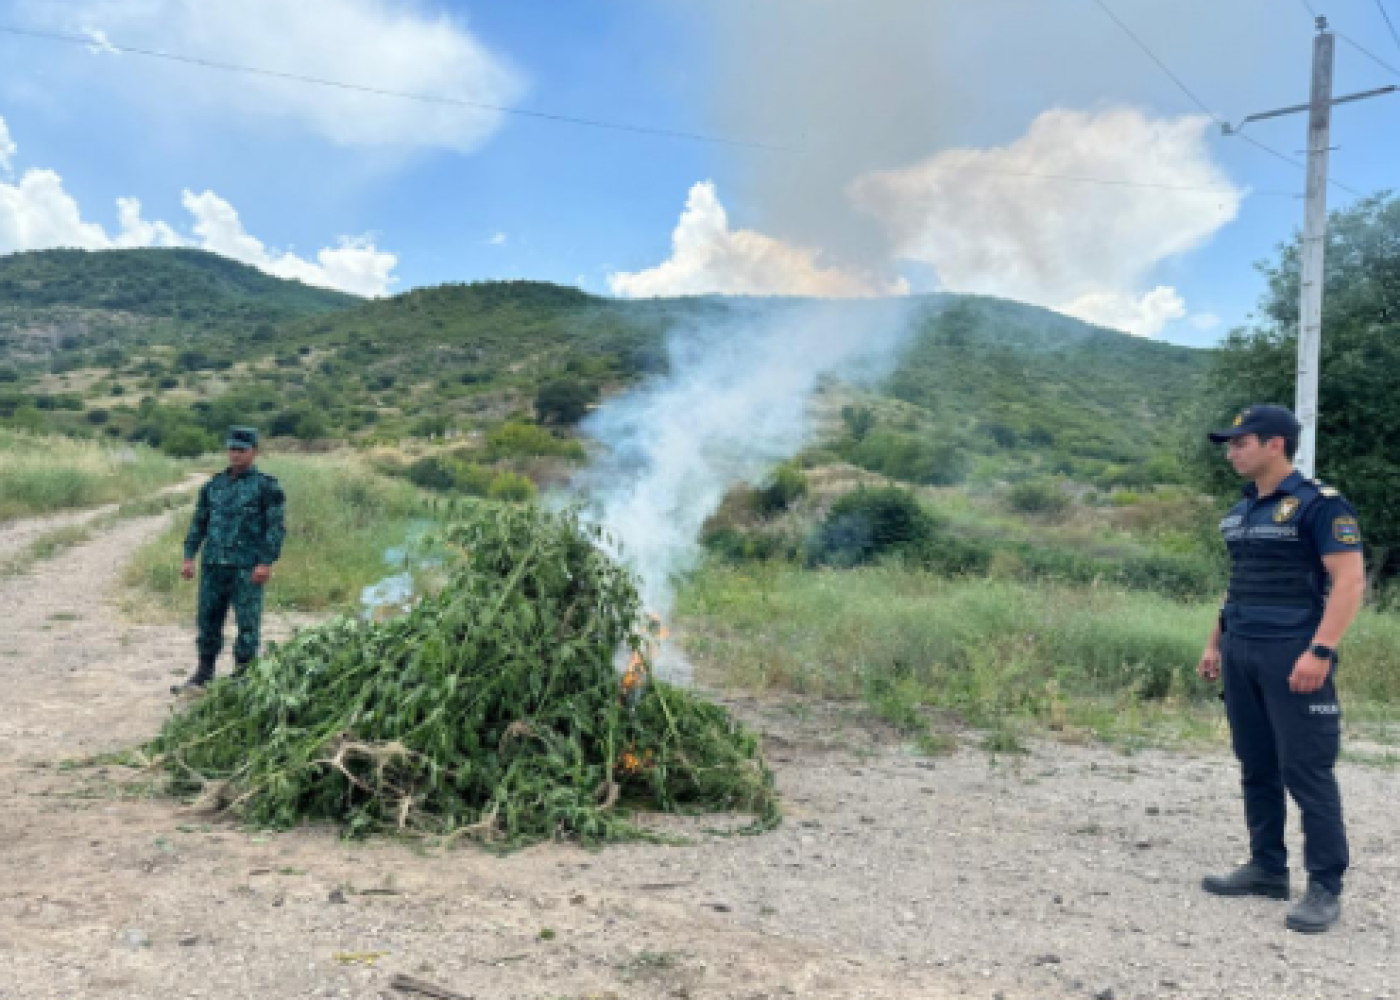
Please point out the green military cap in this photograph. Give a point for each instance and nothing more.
(242, 437)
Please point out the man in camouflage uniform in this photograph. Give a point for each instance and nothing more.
(238, 522)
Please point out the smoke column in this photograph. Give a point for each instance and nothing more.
(733, 406)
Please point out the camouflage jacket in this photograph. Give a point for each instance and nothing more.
(238, 520)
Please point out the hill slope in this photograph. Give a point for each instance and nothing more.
(74, 299)
(992, 378)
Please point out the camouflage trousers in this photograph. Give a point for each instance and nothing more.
(222, 587)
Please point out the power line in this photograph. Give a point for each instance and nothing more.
(1388, 22)
(1368, 53)
(433, 99)
(1161, 65)
(379, 91)
(1202, 104)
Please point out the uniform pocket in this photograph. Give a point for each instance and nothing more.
(1322, 713)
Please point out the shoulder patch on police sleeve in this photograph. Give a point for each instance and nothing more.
(1346, 530)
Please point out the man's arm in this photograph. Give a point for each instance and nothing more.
(1348, 573)
(199, 524)
(274, 532)
(1209, 667)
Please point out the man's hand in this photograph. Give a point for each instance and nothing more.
(187, 570)
(1209, 667)
(1309, 673)
(261, 574)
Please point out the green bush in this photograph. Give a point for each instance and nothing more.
(511, 486)
(784, 487)
(1038, 496)
(188, 442)
(869, 523)
(433, 472)
(565, 401)
(446, 474)
(515, 439)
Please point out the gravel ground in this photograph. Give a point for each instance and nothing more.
(1069, 872)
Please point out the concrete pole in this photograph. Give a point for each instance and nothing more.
(1314, 247)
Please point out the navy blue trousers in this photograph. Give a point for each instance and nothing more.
(1286, 741)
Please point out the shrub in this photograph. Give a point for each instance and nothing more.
(433, 472)
(869, 523)
(1038, 496)
(188, 442)
(299, 422)
(911, 458)
(511, 486)
(516, 439)
(565, 401)
(784, 488)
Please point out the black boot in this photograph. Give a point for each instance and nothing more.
(240, 669)
(199, 680)
(1248, 880)
(1318, 911)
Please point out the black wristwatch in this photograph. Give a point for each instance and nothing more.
(1322, 652)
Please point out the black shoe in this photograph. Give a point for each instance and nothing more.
(192, 688)
(201, 678)
(1317, 912)
(1247, 880)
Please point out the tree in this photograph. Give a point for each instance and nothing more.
(565, 401)
(1359, 407)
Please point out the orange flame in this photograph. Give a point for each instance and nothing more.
(634, 678)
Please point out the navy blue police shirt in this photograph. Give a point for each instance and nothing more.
(1278, 582)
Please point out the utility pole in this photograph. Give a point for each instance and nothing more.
(1314, 248)
(1311, 274)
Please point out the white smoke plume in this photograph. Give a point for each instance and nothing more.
(734, 405)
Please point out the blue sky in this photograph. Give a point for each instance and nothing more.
(303, 168)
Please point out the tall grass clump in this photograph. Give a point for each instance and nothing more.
(342, 518)
(41, 474)
(985, 648)
(492, 709)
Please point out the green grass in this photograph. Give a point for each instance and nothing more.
(1001, 655)
(341, 518)
(43, 474)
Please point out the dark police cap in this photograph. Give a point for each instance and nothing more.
(1267, 421)
(242, 437)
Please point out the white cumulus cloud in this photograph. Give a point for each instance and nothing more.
(353, 266)
(709, 257)
(1086, 249)
(38, 213)
(394, 45)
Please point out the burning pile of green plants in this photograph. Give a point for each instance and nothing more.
(492, 709)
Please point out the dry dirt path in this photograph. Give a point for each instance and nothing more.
(17, 534)
(1070, 874)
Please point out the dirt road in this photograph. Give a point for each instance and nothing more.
(1071, 873)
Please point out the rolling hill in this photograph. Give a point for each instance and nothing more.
(64, 301)
(155, 337)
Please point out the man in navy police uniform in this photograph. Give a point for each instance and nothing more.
(1296, 583)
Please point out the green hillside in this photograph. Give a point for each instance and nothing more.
(63, 302)
(988, 387)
